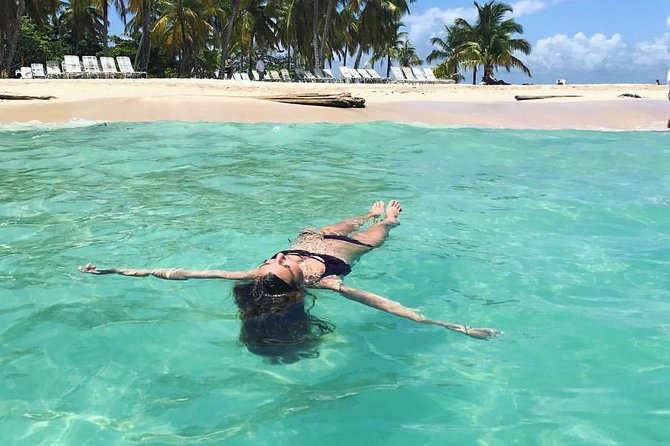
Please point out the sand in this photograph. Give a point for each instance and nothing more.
(597, 107)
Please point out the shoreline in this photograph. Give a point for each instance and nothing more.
(598, 106)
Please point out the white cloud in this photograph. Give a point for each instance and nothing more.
(667, 21)
(654, 52)
(561, 53)
(432, 21)
(527, 7)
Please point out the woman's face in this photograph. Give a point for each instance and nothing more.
(286, 268)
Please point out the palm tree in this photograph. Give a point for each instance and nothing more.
(447, 50)
(489, 41)
(391, 47)
(225, 41)
(11, 12)
(143, 20)
(103, 7)
(181, 30)
(407, 56)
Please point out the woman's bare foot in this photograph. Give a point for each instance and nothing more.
(393, 210)
(377, 209)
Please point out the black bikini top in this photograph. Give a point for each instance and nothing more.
(334, 266)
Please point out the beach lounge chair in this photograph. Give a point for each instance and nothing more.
(430, 76)
(72, 66)
(419, 74)
(346, 76)
(355, 75)
(38, 71)
(91, 66)
(53, 70)
(255, 76)
(109, 67)
(237, 76)
(328, 75)
(245, 76)
(398, 75)
(310, 76)
(274, 75)
(407, 71)
(365, 76)
(300, 75)
(26, 73)
(376, 77)
(126, 67)
(285, 75)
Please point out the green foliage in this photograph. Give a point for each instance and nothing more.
(123, 47)
(37, 45)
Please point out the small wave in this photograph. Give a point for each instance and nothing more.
(39, 125)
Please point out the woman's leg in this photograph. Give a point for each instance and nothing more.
(377, 233)
(352, 224)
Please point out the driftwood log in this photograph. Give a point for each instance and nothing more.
(19, 97)
(341, 100)
(547, 96)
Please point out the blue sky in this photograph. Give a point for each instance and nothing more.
(582, 41)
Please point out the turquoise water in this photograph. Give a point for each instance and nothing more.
(558, 238)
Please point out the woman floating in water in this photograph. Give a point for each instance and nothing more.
(271, 298)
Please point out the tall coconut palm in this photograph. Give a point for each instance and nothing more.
(103, 7)
(489, 41)
(142, 21)
(446, 49)
(11, 12)
(389, 50)
(407, 56)
(225, 41)
(181, 31)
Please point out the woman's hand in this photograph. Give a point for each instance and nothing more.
(89, 268)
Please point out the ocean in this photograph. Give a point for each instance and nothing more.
(560, 239)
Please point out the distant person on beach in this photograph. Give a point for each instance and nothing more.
(260, 67)
(271, 297)
(229, 68)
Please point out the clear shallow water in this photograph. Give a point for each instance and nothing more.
(560, 239)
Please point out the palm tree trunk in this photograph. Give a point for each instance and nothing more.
(359, 54)
(8, 49)
(105, 27)
(474, 75)
(315, 26)
(144, 51)
(326, 29)
(388, 66)
(226, 39)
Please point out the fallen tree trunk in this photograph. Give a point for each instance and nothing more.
(341, 100)
(19, 97)
(548, 96)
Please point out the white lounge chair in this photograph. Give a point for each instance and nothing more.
(428, 71)
(255, 76)
(91, 66)
(365, 76)
(376, 77)
(419, 75)
(126, 67)
(26, 73)
(346, 74)
(237, 76)
(274, 75)
(109, 67)
(398, 74)
(53, 70)
(38, 71)
(72, 66)
(285, 75)
(245, 76)
(328, 75)
(310, 76)
(407, 71)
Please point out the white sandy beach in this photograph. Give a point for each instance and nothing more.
(597, 107)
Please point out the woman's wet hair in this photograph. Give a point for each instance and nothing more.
(275, 322)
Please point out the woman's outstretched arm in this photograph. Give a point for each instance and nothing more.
(171, 273)
(393, 307)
